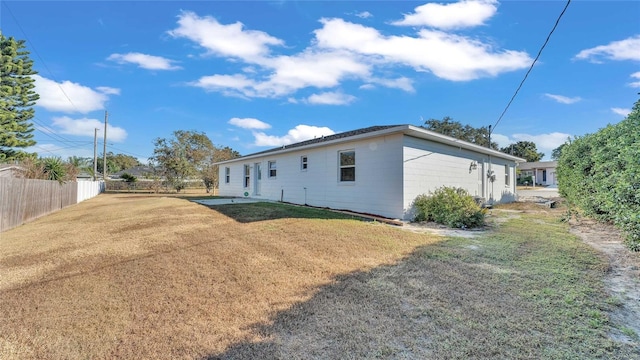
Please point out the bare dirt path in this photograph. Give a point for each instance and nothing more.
(623, 278)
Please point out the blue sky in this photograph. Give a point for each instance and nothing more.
(258, 74)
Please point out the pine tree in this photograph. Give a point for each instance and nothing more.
(17, 96)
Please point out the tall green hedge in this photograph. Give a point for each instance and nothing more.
(600, 174)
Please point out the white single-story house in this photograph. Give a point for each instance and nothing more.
(543, 172)
(376, 170)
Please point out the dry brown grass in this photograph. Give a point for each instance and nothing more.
(134, 276)
(157, 277)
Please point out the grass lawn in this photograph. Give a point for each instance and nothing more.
(131, 276)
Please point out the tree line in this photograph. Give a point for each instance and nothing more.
(481, 136)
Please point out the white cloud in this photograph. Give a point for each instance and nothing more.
(108, 90)
(297, 134)
(402, 83)
(635, 84)
(341, 51)
(627, 49)
(544, 142)
(149, 62)
(78, 98)
(564, 99)
(85, 127)
(225, 40)
(249, 123)
(501, 140)
(448, 56)
(232, 85)
(364, 15)
(367, 87)
(621, 111)
(331, 98)
(466, 13)
(64, 152)
(289, 74)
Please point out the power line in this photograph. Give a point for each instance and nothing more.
(39, 57)
(531, 67)
(127, 152)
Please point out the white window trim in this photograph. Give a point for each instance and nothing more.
(275, 168)
(227, 175)
(340, 167)
(304, 163)
(246, 178)
(507, 176)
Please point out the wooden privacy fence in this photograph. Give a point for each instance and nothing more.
(22, 200)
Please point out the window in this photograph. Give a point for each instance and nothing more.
(272, 169)
(347, 165)
(247, 177)
(227, 175)
(506, 175)
(303, 163)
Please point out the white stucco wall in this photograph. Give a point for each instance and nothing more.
(376, 190)
(430, 165)
(390, 172)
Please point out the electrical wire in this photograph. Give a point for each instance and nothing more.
(44, 64)
(531, 67)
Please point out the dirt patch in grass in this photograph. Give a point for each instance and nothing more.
(623, 277)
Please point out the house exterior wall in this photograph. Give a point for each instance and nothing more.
(377, 188)
(430, 165)
(390, 171)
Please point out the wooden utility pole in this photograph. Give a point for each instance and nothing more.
(95, 154)
(104, 149)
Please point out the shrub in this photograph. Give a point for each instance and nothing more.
(129, 178)
(600, 174)
(449, 206)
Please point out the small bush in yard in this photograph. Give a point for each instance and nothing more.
(449, 206)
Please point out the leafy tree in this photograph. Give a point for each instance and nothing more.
(117, 162)
(600, 174)
(182, 157)
(17, 96)
(454, 129)
(555, 153)
(80, 164)
(209, 171)
(524, 149)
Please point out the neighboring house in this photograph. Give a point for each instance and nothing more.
(86, 176)
(10, 171)
(543, 172)
(377, 170)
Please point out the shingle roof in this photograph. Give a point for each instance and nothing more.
(326, 138)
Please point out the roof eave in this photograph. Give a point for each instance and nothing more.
(404, 129)
(284, 150)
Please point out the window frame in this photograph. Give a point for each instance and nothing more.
(270, 169)
(227, 175)
(304, 162)
(507, 177)
(342, 167)
(247, 176)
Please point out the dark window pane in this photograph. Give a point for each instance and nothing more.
(348, 174)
